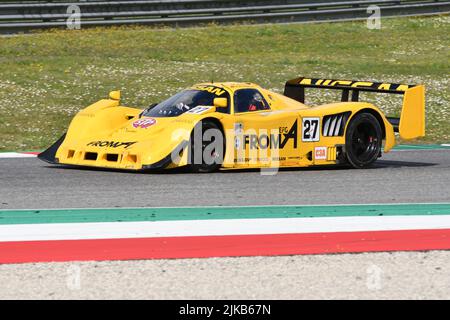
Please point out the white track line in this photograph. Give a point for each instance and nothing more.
(11, 155)
(147, 229)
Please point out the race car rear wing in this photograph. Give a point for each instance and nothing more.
(411, 123)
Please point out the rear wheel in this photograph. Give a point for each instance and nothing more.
(363, 140)
(207, 150)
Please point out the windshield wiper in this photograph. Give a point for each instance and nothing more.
(148, 109)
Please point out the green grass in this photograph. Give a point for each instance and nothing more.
(45, 78)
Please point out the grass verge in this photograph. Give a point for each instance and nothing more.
(47, 77)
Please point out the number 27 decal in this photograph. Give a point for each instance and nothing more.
(310, 129)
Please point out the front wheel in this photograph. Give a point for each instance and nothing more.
(363, 140)
(207, 147)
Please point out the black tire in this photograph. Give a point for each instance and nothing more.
(218, 155)
(363, 140)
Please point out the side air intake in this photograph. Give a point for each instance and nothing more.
(334, 125)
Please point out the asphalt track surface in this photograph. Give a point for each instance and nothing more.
(399, 177)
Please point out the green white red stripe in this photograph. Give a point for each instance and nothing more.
(219, 227)
(145, 233)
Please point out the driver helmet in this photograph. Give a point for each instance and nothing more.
(257, 97)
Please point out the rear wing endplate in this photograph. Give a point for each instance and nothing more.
(411, 123)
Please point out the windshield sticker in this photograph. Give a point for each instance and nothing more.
(144, 123)
(199, 109)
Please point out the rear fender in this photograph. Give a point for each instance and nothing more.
(355, 108)
(386, 126)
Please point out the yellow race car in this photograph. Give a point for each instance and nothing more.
(240, 125)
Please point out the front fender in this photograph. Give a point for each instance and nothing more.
(102, 116)
(171, 143)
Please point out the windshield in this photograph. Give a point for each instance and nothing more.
(181, 102)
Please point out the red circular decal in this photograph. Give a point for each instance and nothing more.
(144, 123)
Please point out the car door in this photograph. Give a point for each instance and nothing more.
(263, 137)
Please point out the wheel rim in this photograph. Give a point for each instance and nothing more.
(215, 155)
(365, 142)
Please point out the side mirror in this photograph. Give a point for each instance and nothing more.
(114, 95)
(220, 102)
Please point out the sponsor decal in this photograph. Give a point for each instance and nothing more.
(243, 160)
(310, 129)
(199, 109)
(212, 89)
(110, 144)
(355, 84)
(237, 142)
(85, 114)
(182, 121)
(144, 123)
(238, 128)
(272, 141)
(320, 153)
